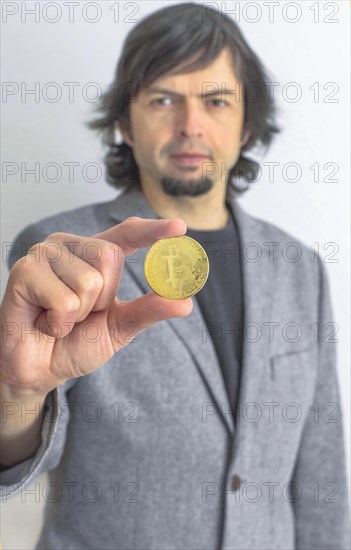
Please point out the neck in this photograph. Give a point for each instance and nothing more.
(203, 212)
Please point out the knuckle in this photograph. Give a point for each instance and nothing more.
(34, 249)
(22, 269)
(17, 266)
(70, 303)
(113, 252)
(91, 282)
(40, 250)
(57, 236)
(131, 219)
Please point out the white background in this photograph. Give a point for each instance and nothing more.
(309, 52)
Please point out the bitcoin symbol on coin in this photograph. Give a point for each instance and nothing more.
(176, 267)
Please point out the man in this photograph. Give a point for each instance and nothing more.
(201, 431)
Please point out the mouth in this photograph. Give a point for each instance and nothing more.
(189, 158)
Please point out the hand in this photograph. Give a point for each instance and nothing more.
(50, 304)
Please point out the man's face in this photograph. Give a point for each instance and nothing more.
(183, 136)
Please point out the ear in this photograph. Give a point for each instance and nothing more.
(123, 128)
(245, 137)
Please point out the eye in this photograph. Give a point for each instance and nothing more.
(223, 103)
(159, 100)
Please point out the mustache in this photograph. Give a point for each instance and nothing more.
(179, 149)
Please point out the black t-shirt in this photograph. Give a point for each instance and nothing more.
(220, 300)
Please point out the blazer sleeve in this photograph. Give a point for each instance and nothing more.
(321, 503)
(17, 478)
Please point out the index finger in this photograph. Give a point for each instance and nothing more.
(142, 232)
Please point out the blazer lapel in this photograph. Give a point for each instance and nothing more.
(257, 289)
(259, 285)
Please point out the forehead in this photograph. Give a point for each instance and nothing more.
(220, 72)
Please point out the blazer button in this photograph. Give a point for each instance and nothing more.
(235, 484)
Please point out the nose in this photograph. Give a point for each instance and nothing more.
(188, 122)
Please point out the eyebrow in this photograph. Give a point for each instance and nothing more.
(151, 91)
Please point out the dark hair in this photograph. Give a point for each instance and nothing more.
(163, 42)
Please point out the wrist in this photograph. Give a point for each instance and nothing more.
(15, 392)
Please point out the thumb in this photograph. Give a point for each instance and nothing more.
(131, 318)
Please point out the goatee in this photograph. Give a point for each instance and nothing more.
(190, 187)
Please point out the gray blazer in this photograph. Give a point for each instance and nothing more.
(144, 453)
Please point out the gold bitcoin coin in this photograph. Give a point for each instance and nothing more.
(176, 267)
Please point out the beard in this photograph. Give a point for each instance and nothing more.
(177, 187)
